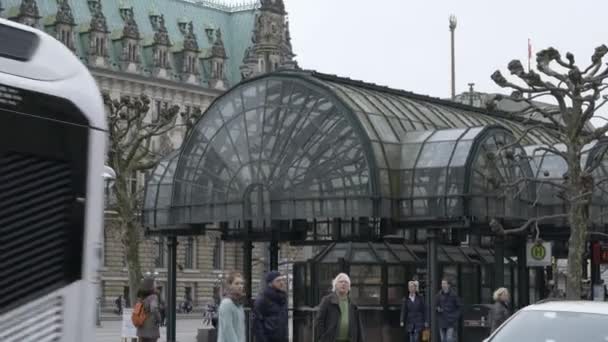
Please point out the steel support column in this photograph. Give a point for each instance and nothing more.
(499, 262)
(171, 288)
(523, 277)
(274, 255)
(247, 251)
(432, 281)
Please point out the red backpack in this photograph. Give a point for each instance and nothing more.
(138, 317)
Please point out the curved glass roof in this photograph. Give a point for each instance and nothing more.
(295, 145)
(550, 168)
(159, 187)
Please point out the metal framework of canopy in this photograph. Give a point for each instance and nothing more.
(551, 167)
(288, 148)
(295, 154)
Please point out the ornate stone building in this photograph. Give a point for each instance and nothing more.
(178, 52)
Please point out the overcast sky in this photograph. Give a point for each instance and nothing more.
(405, 44)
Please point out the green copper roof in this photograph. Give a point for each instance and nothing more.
(236, 24)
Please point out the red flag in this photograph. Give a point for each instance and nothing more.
(529, 49)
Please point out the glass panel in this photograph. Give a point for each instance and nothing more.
(366, 295)
(461, 153)
(416, 136)
(447, 135)
(472, 133)
(397, 275)
(366, 274)
(396, 294)
(385, 133)
(363, 255)
(435, 154)
(409, 154)
(334, 255)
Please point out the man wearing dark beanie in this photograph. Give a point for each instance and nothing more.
(270, 310)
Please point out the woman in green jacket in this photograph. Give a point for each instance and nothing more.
(231, 318)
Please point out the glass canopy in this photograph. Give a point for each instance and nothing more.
(159, 188)
(550, 170)
(297, 145)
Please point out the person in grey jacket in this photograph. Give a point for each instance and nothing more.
(150, 331)
(231, 318)
(500, 311)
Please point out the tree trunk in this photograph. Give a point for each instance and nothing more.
(131, 248)
(576, 250)
(577, 218)
(130, 232)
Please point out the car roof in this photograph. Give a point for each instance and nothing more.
(600, 308)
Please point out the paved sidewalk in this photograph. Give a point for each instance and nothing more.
(110, 331)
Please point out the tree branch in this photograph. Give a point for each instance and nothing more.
(498, 228)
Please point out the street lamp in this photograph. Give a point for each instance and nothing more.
(453, 23)
(108, 175)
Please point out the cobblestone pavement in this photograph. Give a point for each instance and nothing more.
(110, 331)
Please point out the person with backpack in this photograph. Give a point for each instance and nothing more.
(231, 318)
(270, 313)
(146, 314)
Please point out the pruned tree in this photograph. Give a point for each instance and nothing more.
(131, 133)
(576, 96)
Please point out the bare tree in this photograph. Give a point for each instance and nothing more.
(132, 131)
(577, 96)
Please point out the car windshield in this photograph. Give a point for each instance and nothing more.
(554, 326)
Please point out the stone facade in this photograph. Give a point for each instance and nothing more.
(175, 61)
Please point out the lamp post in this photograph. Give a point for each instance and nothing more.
(109, 175)
(453, 23)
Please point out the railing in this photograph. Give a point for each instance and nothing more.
(222, 6)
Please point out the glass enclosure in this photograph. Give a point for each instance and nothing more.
(380, 272)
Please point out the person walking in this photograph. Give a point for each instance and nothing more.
(119, 305)
(149, 331)
(338, 317)
(161, 306)
(270, 312)
(501, 311)
(231, 317)
(448, 307)
(413, 313)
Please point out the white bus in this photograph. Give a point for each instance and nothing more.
(52, 148)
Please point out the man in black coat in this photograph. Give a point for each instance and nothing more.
(413, 313)
(448, 307)
(270, 316)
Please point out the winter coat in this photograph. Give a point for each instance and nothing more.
(270, 316)
(413, 313)
(231, 322)
(328, 320)
(451, 307)
(150, 329)
(498, 315)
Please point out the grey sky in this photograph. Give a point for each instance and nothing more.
(405, 44)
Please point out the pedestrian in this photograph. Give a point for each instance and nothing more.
(338, 317)
(231, 318)
(448, 307)
(413, 313)
(161, 306)
(270, 315)
(500, 311)
(149, 331)
(119, 306)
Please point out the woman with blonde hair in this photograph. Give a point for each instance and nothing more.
(231, 318)
(500, 311)
(338, 317)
